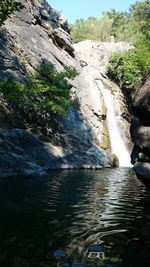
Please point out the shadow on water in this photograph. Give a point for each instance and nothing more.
(70, 211)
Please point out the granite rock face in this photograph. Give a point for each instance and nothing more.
(13, 159)
(140, 132)
(39, 34)
(36, 34)
(23, 154)
(96, 56)
(142, 102)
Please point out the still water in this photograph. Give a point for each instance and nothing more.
(71, 210)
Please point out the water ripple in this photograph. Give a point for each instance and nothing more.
(69, 213)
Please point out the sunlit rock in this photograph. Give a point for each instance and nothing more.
(115, 160)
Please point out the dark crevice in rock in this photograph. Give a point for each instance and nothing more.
(60, 61)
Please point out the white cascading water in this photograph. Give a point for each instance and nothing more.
(118, 146)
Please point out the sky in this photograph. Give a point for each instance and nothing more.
(76, 9)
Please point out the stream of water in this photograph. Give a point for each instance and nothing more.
(117, 140)
(71, 210)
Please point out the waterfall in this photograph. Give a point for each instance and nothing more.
(117, 142)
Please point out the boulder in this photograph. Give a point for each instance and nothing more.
(14, 162)
(140, 131)
(62, 38)
(23, 154)
(115, 160)
(142, 102)
(140, 134)
(142, 170)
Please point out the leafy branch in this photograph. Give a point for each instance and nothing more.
(7, 7)
(47, 91)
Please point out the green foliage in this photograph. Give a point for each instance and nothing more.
(48, 90)
(118, 20)
(129, 27)
(7, 7)
(127, 69)
(140, 14)
(92, 29)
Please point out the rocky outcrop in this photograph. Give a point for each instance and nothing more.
(23, 154)
(39, 34)
(15, 162)
(140, 132)
(36, 34)
(142, 102)
(95, 56)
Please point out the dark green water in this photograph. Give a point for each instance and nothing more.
(69, 211)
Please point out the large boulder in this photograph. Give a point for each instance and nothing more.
(15, 162)
(143, 171)
(140, 132)
(142, 102)
(23, 154)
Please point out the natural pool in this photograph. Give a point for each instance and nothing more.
(71, 210)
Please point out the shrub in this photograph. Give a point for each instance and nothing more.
(91, 29)
(47, 91)
(7, 7)
(128, 69)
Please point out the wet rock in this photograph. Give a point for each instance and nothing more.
(142, 170)
(143, 158)
(140, 134)
(22, 154)
(14, 162)
(135, 154)
(140, 131)
(115, 160)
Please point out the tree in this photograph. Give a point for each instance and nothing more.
(118, 19)
(128, 68)
(47, 91)
(92, 28)
(7, 7)
(140, 13)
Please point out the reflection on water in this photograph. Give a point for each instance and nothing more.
(71, 210)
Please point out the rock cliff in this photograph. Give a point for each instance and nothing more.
(28, 38)
(140, 131)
